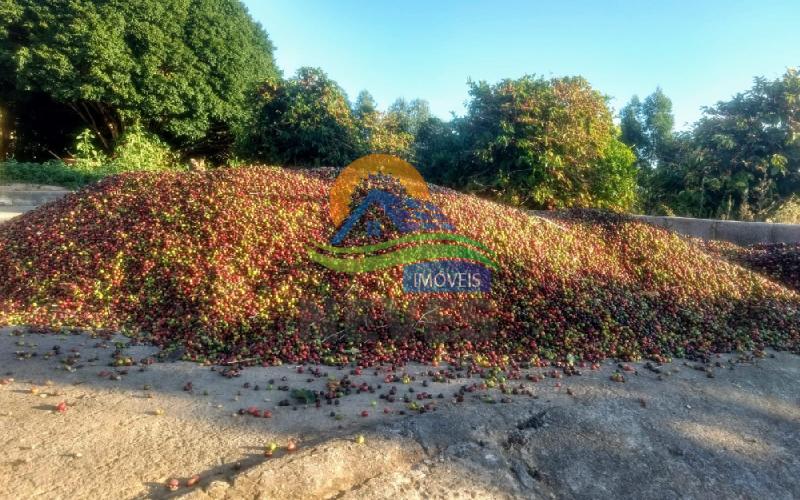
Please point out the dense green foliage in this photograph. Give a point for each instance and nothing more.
(308, 120)
(113, 85)
(305, 120)
(392, 132)
(181, 68)
(536, 143)
(137, 150)
(51, 173)
(740, 161)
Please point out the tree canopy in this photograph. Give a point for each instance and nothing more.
(545, 143)
(197, 77)
(181, 68)
(749, 150)
(304, 121)
(741, 160)
(380, 132)
(648, 127)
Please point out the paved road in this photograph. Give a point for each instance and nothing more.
(16, 199)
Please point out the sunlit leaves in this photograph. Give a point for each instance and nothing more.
(182, 68)
(545, 144)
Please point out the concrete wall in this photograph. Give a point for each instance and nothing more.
(741, 233)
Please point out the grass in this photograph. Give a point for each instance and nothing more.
(51, 173)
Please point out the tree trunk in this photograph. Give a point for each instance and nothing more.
(103, 121)
(5, 132)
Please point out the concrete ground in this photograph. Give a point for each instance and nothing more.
(9, 212)
(726, 429)
(18, 198)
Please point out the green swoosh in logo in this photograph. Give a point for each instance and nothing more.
(399, 257)
(411, 238)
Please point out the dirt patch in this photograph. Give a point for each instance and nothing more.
(728, 428)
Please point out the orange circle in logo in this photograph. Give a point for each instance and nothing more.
(353, 174)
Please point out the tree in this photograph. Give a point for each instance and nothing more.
(658, 123)
(648, 127)
(10, 12)
(662, 189)
(410, 115)
(389, 136)
(305, 121)
(750, 150)
(632, 128)
(439, 151)
(181, 68)
(545, 143)
(364, 106)
(381, 132)
(741, 160)
(367, 117)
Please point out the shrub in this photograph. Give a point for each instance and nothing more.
(788, 212)
(53, 173)
(136, 151)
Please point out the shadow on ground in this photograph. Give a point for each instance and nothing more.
(677, 433)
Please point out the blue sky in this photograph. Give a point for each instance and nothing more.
(698, 51)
